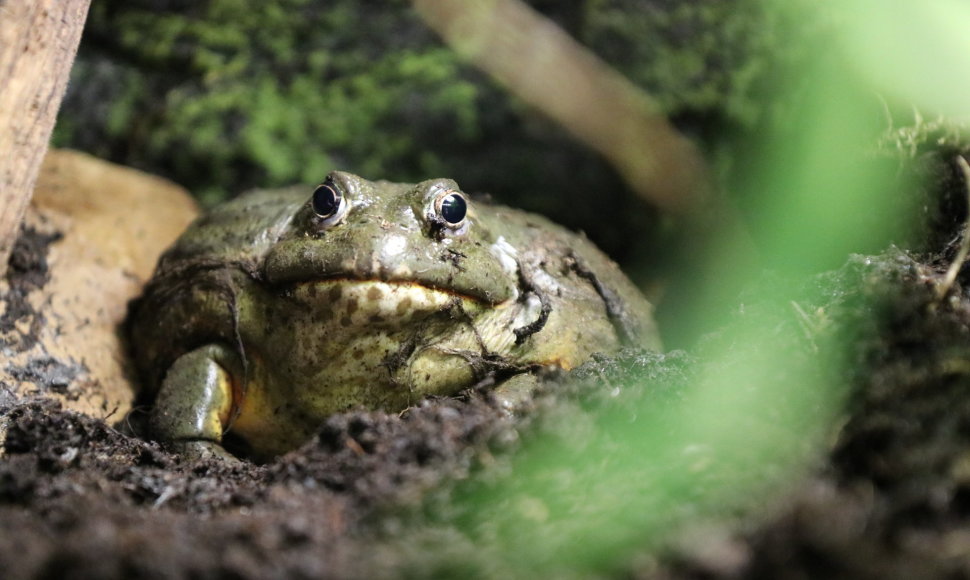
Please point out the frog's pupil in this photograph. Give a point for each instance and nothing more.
(453, 208)
(326, 200)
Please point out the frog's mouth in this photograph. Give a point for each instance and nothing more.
(373, 306)
(470, 272)
(403, 294)
(352, 303)
(359, 302)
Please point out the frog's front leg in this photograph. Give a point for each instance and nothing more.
(195, 401)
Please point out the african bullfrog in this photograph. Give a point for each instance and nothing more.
(282, 307)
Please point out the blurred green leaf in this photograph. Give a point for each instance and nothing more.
(765, 397)
(916, 51)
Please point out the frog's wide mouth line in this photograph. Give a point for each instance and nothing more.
(395, 291)
(472, 273)
(379, 289)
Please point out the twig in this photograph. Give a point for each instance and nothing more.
(961, 257)
(545, 67)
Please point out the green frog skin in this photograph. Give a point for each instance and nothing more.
(282, 307)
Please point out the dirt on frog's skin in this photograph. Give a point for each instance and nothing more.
(372, 493)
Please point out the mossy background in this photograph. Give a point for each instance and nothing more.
(226, 95)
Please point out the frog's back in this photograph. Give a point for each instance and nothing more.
(236, 233)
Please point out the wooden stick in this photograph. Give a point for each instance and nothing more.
(38, 41)
(544, 66)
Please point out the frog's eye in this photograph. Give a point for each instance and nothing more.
(451, 207)
(326, 200)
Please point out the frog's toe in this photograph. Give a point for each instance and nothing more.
(198, 450)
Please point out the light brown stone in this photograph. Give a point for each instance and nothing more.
(115, 223)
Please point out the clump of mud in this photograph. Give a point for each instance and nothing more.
(76, 494)
(26, 271)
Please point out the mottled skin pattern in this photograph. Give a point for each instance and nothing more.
(265, 317)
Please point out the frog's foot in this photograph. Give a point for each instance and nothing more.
(198, 449)
(194, 403)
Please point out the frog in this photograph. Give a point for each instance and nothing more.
(280, 308)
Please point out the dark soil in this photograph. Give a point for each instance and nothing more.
(27, 271)
(379, 494)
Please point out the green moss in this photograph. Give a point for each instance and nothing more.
(708, 57)
(247, 93)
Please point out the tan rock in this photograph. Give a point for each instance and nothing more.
(99, 228)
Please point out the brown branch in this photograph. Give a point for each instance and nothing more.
(544, 66)
(38, 41)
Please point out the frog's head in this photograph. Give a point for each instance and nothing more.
(425, 234)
